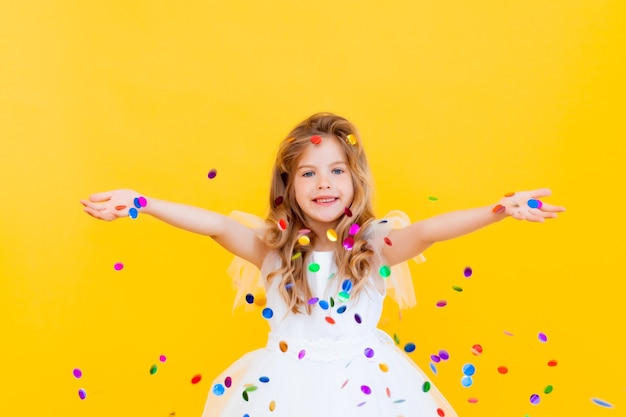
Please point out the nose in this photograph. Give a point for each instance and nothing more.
(323, 182)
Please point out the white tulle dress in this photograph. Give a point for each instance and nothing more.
(333, 362)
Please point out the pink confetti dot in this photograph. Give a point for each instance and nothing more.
(162, 358)
(118, 266)
(442, 303)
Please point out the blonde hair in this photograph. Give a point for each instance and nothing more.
(353, 264)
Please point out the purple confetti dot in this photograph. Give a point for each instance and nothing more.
(444, 355)
(435, 358)
(535, 399)
(543, 338)
(369, 352)
(82, 394)
(357, 318)
(442, 303)
(212, 174)
(301, 354)
(77, 373)
(366, 390)
(467, 272)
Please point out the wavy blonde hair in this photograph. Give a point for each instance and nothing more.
(353, 264)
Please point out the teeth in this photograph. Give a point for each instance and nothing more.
(325, 200)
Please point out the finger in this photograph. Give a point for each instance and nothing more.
(552, 208)
(93, 206)
(540, 192)
(100, 197)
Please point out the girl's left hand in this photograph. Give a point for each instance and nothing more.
(526, 205)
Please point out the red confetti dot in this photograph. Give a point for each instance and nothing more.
(553, 362)
(440, 412)
(121, 207)
(279, 200)
(477, 349)
(196, 379)
(330, 320)
(347, 212)
(387, 241)
(316, 140)
(472, 400)
(503, 369)
(282, 224)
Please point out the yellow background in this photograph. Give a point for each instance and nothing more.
(460, 100)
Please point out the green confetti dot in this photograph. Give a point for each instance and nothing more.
(457, 289)
(548, 389)
(396, 339)
(433, 198)
(384, 271)
(314, 267)
(426, 386)
(153, 369)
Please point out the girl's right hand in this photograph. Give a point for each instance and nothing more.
(110, 205)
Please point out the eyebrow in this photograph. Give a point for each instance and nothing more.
(313, 166)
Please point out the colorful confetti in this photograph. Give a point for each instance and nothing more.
(212, 173)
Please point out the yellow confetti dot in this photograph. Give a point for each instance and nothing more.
(351, 139)
(383, 367)
(296, 256)
(304, 240)
(272, 405)
(260, 300)
(331, 235)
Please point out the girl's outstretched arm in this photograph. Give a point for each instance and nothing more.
(232, 235)
(412, 240)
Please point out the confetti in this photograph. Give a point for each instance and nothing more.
(282, 224)
(433, 198)
(212, 173)
(314, 267)
(264, 379)
(120, 207)
(440, 412)
(469, 369)
(366, 390)
(387, 241)
(384, 271)
(535, 204)
(553, 362)
(368, 352)
(301, 354)
(548, 389)
(435, 358)
(343, 296)
(357, 318)
(268, 313)
(444, 355)
(272, 405)
(304, 240)
(457, 289)
(316, 139)
(278, 200)
(313, 300)
(601, 403)
(118, 266)
(324, 304)
(347, 212)
(542, 337)
(228, 382)
(477, 349)
(133, 213)
(535, 399)
(351, 139)
(162, 358)
(467, 381)
(354, 229)
(196, 378)
(331, 235)
(330, 320)
(77, 373)
(218, 389)
(441, 303)
(283, 346)
(503, 370)
(383, 367)
(153, 369)
(472, 400)
(348, 243)
(499, 208)
(426, 386)
(82, 394)
(249, 298)
(409, 347)
(467, 272)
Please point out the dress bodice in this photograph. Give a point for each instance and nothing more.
(336, 312)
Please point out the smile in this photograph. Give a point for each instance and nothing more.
(325, 200)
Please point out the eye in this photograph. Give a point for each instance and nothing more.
(307, 174)
(337, 171)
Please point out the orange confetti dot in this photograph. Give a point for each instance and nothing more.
(283, 346)
(330, 320)
(503, 369)
(553, 362)
(499, 208)
(509, 194)
(121, 207)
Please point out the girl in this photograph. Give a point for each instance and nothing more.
(325, 263)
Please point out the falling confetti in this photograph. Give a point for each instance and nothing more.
(196, 378)
(602, 403)
(118, 266)
(535, 399)
(212, 173)
(77, 373)
(82, 394)
(467, 272)
(542, 337)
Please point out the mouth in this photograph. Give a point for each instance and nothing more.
(325, 200)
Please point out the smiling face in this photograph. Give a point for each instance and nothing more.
(323, 184)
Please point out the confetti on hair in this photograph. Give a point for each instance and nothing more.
(278, 200)
(331, 235)
(316, 139)
(351, 139)
(347, 212)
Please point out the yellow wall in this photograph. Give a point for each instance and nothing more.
(462, 100)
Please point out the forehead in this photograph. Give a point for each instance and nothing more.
(329, 150)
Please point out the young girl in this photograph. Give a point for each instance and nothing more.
(325, 263)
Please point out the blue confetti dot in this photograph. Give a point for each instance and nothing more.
(532, 203)
(218, 389)
(409, 347)
(433, 368)
(264, 379)
(346, 285)
(133, 213)
(467, 381)
(469, 369)
(249, 298)
(341, 309)
(268, 313)
(136, 202)
(324, 304)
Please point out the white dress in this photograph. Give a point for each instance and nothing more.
(333, 362)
